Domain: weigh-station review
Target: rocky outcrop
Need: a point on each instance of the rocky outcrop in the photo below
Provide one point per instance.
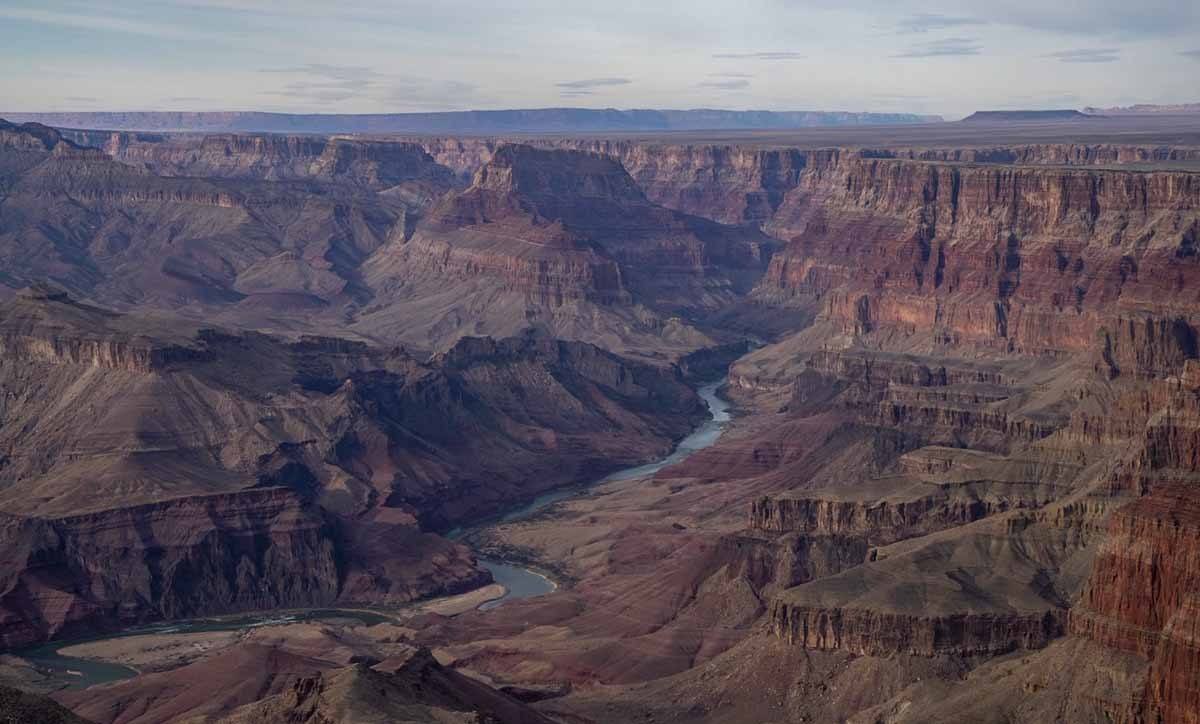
(540, 389)
(20, 706)
(29, 137)
(140, 487)
(463, 156)
(258, 549)
(748, 183)
(780, 562)
(1045, 154)
(870, 633)
(26, 336)
(377, 165)
(281, 681)
(1141, 596)
(1174, 681)
(882, 521)
(125, 236)
(1011, 259)
(729, 184)
(564, 241)
(406, 688)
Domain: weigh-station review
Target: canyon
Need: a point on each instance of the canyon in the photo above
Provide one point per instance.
(247, 372)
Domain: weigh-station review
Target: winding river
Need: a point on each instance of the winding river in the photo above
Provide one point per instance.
(519, 582)
(525, 583)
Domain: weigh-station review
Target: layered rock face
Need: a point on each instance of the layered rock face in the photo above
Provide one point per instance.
(1142, 596)
(464, 156)
(1011, 259)
(869, 634)
(747, 183)
(729, 184)
(1044, 319)
(191, 556)
(1142, 593)
(316, 234)
(376, 165)
(566, 241)
(577, 201)
(1047, 154)
(155, 471)
(881, 520)
(127, 236)
(773, 563)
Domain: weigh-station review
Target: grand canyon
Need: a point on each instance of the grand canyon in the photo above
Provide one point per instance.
(269, 373)
(595, 416)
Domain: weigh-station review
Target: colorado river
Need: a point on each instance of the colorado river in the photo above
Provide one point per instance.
(519, 582)
(524, 583)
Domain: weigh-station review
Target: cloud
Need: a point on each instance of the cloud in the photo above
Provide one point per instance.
(924, 22)
(1195, 54)
(431, 94)
(592, 83)
(731, 84)
(588, 86)
(900, 97)
(107, 22)
(1087, 55)
(323, 83)
(1113, 18)
(944, 48)
(730, 75)
(762, 55)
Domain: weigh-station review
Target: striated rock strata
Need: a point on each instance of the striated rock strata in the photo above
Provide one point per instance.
(155, 470)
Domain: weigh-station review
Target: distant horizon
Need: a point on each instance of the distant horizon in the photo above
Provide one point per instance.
(499, 109)
(1087, 109)
(562, 119)
(404, 56)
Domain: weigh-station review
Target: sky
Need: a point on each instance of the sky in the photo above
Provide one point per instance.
(379, 56)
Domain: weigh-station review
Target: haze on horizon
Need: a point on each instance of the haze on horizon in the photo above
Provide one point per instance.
(372, 56)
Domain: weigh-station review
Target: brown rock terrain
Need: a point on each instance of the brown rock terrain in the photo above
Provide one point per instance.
(960, 485)
(263, 682)
(392, 167)
(979, 259)
(152, 470)
(19, 706)
(125, 236)
(974, 427)
(411, 688)
(563, 241)
(361, 234)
